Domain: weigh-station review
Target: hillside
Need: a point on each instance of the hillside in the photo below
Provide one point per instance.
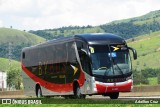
(127, 28)
(15, 40)
(4, 64)
(133, 27)
(146, 69)
(18, 37)
(148, 49)
(66, 31)
(147, 18)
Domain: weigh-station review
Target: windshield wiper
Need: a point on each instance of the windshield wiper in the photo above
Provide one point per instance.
(117, 66)
(106, 73)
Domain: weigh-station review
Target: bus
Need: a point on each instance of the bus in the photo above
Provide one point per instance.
(79, 65)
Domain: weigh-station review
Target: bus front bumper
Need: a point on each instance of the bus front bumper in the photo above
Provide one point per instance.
(114, 87)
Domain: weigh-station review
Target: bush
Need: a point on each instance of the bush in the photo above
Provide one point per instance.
(140, 77)
(14, 78)
(158, 78)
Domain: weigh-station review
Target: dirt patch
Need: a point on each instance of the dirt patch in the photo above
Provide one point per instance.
(18, 92)
(140, 40)
(158, 49)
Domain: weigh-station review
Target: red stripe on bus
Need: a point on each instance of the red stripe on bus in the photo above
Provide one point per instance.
(119, 88)
(52, 86)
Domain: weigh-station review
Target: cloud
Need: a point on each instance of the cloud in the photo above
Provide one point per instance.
(1, 23)
(46, 14)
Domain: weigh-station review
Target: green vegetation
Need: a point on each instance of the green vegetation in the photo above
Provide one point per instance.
(16, 40)
(86, 103)
(153, 81)
(146, 68)
(66, 31)
(148, 49)
(14, 78)
(18, 37)
(144, 18)
(4, 64)
(13, 70)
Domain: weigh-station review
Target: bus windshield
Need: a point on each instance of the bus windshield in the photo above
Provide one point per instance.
(110, 60)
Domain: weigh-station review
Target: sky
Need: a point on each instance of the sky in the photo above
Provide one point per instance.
(49, 14)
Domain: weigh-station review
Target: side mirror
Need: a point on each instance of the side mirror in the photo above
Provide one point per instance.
(134, 52)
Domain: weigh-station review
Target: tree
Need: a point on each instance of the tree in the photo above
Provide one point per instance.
(13, 78)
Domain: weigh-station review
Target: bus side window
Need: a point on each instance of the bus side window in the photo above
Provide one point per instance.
(71, 55)
(23, 55)
(83, 57)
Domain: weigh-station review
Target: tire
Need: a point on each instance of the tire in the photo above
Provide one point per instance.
(39, 92)
(77, 93)
(69, 97)
(114, 95)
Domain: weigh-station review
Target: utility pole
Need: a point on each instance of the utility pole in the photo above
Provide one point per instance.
(10, 52)
(9, 55)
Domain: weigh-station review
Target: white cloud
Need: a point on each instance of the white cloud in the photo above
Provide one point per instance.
(42, 14)
(13, 5)
(1, 23)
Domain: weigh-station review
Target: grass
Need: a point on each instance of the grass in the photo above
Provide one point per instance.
(144, 19)
(18, 37)
(82, 102)
(148, 50)
(148, 21)
(153, 81)
(4, 64)
(85, 105)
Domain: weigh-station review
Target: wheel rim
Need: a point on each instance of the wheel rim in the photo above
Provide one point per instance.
(78, 92)
(39, 93)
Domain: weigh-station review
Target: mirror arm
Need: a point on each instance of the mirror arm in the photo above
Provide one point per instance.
(134, 52)
(83, 50)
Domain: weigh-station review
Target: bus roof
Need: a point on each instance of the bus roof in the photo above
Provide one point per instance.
(101, 38)
(91, 38)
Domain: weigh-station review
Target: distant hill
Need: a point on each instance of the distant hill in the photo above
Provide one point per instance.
(147, 18)
(133, 27)
(15, 40)
(66, 31)
(127, 28)
(18, 37)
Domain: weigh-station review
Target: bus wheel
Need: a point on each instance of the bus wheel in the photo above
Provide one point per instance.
(39, 92)
(69, 97)
(77, 93)
(83, 96)
(114, 95)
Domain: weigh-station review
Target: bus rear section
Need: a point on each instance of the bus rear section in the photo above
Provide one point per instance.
(80, 65)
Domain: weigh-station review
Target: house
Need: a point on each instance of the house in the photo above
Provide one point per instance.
(3, 80)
